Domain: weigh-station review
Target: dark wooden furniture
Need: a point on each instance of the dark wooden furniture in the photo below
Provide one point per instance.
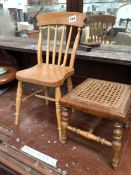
(54, 72)
(109, 62)
(103, 99)
(8, 76)
(115, 54)
(101, 27)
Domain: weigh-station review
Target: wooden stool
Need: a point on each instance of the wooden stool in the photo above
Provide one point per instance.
(103, 99)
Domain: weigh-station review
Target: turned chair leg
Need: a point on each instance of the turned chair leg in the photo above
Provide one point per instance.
(69, 84)
(18, 102)
(65, 120)
(70, 87)
(116, 144)
(47, 95)
(58, 109)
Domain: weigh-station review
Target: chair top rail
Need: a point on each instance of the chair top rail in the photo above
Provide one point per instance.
(61, 18)
(101, 18)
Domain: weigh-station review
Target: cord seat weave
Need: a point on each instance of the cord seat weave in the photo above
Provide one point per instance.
(99, 97)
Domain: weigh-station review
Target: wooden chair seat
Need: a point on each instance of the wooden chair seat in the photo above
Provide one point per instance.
(102, 99)
(45, 74)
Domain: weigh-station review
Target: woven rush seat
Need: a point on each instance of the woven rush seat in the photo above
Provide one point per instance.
(102, 99)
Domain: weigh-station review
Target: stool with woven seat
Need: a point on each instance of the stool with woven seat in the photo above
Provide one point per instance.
(103, 99)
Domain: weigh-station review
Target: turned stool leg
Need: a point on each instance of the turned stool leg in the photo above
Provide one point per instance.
(127, 124)
(47, 95)
(116, 144)
(18, 102)
(65, 119)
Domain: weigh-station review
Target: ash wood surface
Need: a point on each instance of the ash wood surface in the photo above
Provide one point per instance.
(55, 73)
(38, 75)
(61, 18)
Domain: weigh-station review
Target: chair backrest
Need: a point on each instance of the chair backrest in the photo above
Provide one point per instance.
(100, 27)
(56, 20)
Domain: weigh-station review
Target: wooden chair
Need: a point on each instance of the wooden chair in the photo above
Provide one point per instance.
(54, 71)
(104, 100)
(101, 27)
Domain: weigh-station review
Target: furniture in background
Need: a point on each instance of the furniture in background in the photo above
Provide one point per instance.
(85, 34)
(7, 74)
(8, 68)
(55, 71)
(35, 33)
(105, 100)
(122, 38)
(100, 28)
(117, 29)
(13, 14)
(124, 22)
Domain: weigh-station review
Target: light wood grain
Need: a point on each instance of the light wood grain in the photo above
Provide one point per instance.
(60, 18)
(100, 27)
(53, 72)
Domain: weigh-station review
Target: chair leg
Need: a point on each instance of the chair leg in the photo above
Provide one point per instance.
(116, 144)
(70, 87)
(65, 120)
(47, 95)
(69, 84)
(58, 109)
(18, 102)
